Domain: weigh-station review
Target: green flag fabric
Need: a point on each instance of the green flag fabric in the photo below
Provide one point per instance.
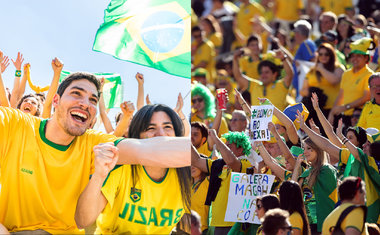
(112, 88)
(153, 33)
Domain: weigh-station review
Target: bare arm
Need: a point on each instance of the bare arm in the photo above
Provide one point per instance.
(287, 67)
(215, 126)
(197, 160)
(140, 92)
(284, 149)
(23, 82)
(297, 168)
(243, 103)
(16, 92)
(102, 110)
(271, 163)
(57, 66)
(338, 100)
(227, 155)
(178, 110)
(354, 151)
(325, 123)
(127, 108)
(241, 80)
(319, 140)
(3, 94)
(91, 202)
(332, 77)
(162, 151)
(289, 125)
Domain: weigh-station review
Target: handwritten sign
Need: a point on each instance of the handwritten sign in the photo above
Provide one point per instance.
(261, 116)
(244, 189)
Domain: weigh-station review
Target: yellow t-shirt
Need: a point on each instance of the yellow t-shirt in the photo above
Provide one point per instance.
(219, 205)
(296, 221)
(336, 6)
(370, 116)
(354, 85)
(288, 9)
(149, 207)
(276, 92)
(354, 219)
(330, 90)
(198, 199)
(206, 53)
(216, 39)
(249, 67)
(204, 149)
(41, 181)
(245, 14)
(209, 121)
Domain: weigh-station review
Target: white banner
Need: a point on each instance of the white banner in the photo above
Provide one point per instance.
(244, 189)
(261, 116)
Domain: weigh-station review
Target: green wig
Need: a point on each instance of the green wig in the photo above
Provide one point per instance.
(240, 139)
(201, 90)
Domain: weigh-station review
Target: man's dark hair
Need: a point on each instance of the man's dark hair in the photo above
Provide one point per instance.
(252, 38)
(78, 76)
(196, 29)
(274, 220)
(373, 76)
(202, 127)
(349, 186)
(374, 150)
(270, 65)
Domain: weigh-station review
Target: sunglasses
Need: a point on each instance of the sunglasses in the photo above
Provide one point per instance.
(323, 54)
(259, 206)
(195, 100)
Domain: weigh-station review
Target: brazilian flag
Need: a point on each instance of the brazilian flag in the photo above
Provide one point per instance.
(154, 33)
(112, 88)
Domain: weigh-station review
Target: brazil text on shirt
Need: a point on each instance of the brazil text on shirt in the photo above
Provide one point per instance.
(148, 216)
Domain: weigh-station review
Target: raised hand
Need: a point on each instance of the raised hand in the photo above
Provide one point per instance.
(106, 156)
(314, 127)
(300, 119)
(18, 62)
(140, 78)
(272, 127)
(339, 129)
(179, 105)
(127, 108)
(212, 134)
(57, 65)
(147, 99)
(264, 101)
(314, 100)
(102, 81)
(4, 62)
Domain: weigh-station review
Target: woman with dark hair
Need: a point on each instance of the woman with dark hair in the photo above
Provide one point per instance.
(140, 199)
(325, 75)
(291, 199)
(30, 104)
(213, 31)
(263, 204)
(345, 30)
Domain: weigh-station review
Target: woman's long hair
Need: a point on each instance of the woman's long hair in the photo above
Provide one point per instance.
(317, 165)
(291, 199)
(140, 123)
(331, 64)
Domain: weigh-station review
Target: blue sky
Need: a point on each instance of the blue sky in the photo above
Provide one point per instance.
(44, 29)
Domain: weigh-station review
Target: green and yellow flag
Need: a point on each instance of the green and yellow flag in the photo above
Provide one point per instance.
(112, 88)
(153, 33)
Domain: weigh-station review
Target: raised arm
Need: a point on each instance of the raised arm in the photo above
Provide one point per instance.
(197, 160)
(57, 66)
(23, 82)
(284, 149)
(270, 162)
(287, 67)
(347, 143)
(3, 94)
(91, 202)
(241, 79)
(243, 103)
(127, 108)
(332, 77)
(319, 140)
(227, 155)
(140, 91)
(325, 123)
(162, 151)
(102, 110)
(178, 110)
(337, 102)
(16, 91)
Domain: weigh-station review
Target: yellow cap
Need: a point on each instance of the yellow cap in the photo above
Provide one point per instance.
(361, 46)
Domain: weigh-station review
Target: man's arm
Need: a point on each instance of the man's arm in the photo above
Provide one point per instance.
(57, 66)
(283, 147)
(92, 201)
(127, 108)
(140, 90)
(270, 162)
(16, 84)
(3, 94)
(162, 151)
(197, 161)
(240, 79)
(289, 73)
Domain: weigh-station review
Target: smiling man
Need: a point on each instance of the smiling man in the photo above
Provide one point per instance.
(370, 116)
(46, 164)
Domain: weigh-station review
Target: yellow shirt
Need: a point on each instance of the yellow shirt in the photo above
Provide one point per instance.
(336, 6)
(370, 116)
(276, 92)
(354, 219)
(296, 221)
(209, 121)
(219, 206)
(249, 67)
(198, 199)
(288, 9)
(245, 14)
(149, 207)
(330, 90)
(204, 149)
(41, 181)
(216, 39)
(354, 85)
(206, 53)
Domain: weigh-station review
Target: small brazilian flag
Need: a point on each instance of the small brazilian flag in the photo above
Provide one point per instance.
(154, 33)
(112, 88)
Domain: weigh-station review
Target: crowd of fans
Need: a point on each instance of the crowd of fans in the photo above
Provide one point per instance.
(320, 57)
